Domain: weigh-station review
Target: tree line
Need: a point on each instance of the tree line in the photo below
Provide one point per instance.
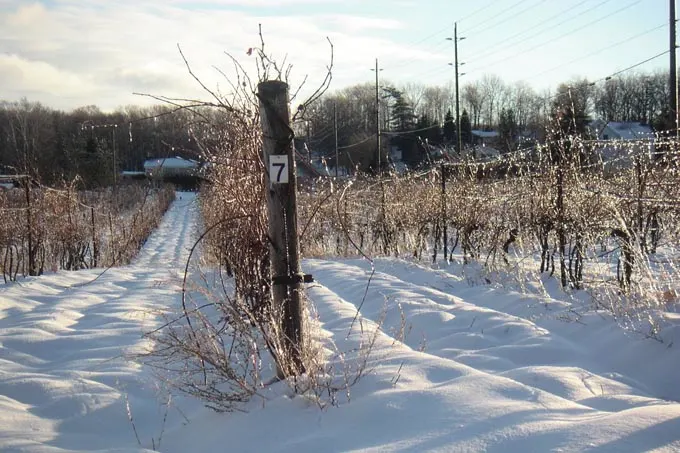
(54, 146)
(413, 116)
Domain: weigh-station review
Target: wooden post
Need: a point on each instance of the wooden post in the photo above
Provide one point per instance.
(335, 129)
(29, 227)
(114, 165)
(446, 236)
(673, 70)
(112, 241)
(281, 188)
(95, 248)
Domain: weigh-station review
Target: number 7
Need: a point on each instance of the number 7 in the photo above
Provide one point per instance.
(281, 166)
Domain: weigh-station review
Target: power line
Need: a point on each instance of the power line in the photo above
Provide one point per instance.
(597, 51)
(433, 72)
(429, 73)
(406, 62)
(634, 66)
(508, 41)
(614, 74)
(544, 43)
(505, 19)
(441, 30)
(441, 44)
(357, 144)
(388, 133)
(411, 131)
(435, 33)
(415, 43)
(495, 16)
(479, 10)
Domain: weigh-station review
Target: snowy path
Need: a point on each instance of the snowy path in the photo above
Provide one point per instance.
(62, 377)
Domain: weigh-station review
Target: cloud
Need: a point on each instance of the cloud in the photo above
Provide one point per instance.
(353, 24)
(21, 74)
(100, 52)
(27, 15)
(252, 3)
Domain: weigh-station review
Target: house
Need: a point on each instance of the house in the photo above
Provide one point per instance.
(184, 173)
(627, 138)
(8, 182)
(166, 167)
(482, 138)
(623, 130)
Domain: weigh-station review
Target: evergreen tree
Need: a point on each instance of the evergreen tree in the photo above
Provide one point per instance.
(465, 128)
(428, 130)
(91, 146)
(95, 163)
(402, 119)
(449, 127)
(422, 126)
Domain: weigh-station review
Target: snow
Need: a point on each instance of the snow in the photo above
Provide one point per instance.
(63, 341)
(455, 367)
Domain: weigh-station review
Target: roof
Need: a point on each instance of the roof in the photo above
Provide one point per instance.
(170, 162)
(631, 130)
(484, 134)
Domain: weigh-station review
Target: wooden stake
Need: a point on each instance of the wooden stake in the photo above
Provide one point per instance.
(29, 227)
(281, 185)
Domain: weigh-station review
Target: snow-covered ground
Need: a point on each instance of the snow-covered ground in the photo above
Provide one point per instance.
(456, 367)
(64, 378)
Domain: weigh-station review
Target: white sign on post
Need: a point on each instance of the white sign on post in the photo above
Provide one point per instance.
(278, 169)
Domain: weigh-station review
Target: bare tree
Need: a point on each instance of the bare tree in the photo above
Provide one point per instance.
(473, 98)
(523, 100)
(435, 103)
(493, 88)
(414, 94)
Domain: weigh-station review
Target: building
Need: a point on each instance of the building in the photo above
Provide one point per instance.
(627, 138)
(185, 173)
(170, 166)
(621, 130)
(483, 138)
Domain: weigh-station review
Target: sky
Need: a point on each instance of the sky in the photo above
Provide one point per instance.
(70, 53)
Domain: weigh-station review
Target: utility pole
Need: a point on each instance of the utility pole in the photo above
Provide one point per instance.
(377, 114)
(335, 128)
(308, 145)
(673, 68)
(459, 139)
(445, 242)
(113, 147)
(455, 39)
(32, 268)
